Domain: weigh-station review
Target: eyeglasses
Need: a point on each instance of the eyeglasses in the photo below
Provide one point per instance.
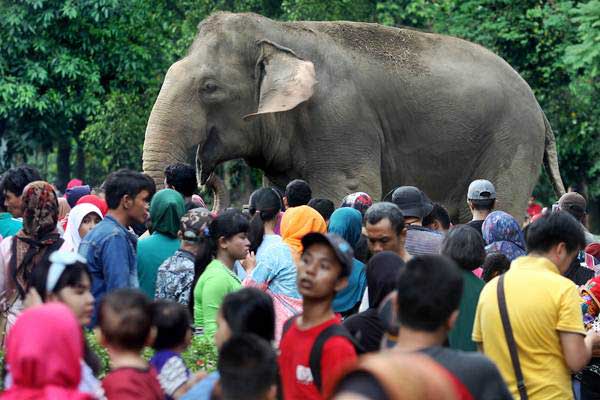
(60, 261)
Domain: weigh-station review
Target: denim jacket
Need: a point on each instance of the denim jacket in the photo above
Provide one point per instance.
(110, 250)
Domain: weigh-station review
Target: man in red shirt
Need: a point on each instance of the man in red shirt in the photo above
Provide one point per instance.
(322, 272)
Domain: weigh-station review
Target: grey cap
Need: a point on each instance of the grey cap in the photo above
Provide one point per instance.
(481, 189)
(412, 201)
(341, 248)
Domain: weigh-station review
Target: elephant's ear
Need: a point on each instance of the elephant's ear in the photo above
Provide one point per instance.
(285, 80)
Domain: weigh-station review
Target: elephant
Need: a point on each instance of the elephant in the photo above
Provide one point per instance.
(349, 107)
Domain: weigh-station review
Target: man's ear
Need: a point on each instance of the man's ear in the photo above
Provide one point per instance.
(271, 393)
(452, 320)
(151, 336)
(341, 284)
(127, 201)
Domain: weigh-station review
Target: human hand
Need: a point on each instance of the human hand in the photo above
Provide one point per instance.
(249, 263)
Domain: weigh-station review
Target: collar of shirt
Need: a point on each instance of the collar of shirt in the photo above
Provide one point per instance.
(534, 262)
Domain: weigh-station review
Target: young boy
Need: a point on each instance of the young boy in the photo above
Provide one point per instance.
(322, 272)
(110, 248)
(173, 335)
(125, 328)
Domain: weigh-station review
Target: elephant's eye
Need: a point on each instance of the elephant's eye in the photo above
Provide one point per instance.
(209, 87)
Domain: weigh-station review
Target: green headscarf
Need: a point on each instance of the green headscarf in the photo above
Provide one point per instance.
(166, 210)
(347, 223)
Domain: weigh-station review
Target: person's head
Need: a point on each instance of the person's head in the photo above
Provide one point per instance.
(67, 280)
(325, 207)
(495, 264)
(248, 310)
(82, 219)
(465, 246)
(481, 196)
(39, 209)
(502, 233)
(182, 178)
(265, 205)
(531, 200)
(247, 368)
(229, 231)
(557, 236)
(173, 325)
(413, 203)
(298, 222)
(382, 274)
(384, 225)
(75, 193)
(359, 200)
(95, 200)
(44, 348)
(324, 266)
(125, 320)
(129, 192)
(575, 204)
(193, 229)
(13, 182)
(166, 209)
(438, 219)
(429, 289)
(297, 193)
(347, 223)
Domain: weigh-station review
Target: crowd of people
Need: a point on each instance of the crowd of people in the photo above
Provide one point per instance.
(303, 300)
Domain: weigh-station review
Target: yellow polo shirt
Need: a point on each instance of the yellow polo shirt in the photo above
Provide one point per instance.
(540, 303)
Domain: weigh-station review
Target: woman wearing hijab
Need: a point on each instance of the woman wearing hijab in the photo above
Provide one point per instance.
(296, 223)
(82, 219)
(367, 326)
(502, 234)
(28, 249)
(166, 210)
(44, 353)
(347, 223)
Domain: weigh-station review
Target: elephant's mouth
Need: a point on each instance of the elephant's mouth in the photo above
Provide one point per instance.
(206, 155)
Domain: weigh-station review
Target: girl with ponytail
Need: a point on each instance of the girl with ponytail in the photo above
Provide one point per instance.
(274, 271)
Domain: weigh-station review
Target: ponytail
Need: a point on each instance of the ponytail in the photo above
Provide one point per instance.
(265, 204)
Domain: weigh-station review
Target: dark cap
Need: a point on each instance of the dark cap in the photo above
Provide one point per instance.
(341, 248)
(573, 201)
(412, 201)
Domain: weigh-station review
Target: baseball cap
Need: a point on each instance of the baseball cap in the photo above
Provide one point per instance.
(481, 189)
(194, 224)
(412, 201)
(573, 201)
(343, 251)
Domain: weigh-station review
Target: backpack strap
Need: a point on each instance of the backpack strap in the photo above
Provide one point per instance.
(316, 353)
(288, 324)
(510, 339)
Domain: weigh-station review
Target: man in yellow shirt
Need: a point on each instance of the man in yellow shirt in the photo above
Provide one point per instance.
(544, 311)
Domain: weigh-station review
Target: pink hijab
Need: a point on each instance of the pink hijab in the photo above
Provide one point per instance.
(44, 352)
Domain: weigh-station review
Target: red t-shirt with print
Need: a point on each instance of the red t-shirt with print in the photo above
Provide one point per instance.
(294, 355)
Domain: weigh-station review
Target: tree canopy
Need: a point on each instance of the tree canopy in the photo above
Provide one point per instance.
(78, 78)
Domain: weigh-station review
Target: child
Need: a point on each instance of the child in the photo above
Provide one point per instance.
(322, 272)
(590, 375)
(125, 322)
(82, 219)
(173, 336)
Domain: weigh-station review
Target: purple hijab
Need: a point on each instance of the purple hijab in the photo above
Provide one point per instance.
(502, 234)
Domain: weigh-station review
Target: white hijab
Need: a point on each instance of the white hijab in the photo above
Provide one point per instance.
(76, 215)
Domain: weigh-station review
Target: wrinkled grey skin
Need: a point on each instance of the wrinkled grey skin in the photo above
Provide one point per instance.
(352, 107)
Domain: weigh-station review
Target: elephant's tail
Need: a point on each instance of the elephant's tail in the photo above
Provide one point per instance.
(551, 159)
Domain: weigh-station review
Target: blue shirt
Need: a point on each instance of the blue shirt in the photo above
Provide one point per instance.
(110, 251)
(203, 389)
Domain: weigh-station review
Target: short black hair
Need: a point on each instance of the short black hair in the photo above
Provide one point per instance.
(553, 228)
(250, 310)
(172, 321)
(325, 207)
(429, 291)
(182, 177)
(483, 204)
(15, 179)
(440, 214)
(465, 246)
(247, 367)
(495, 264)
(125, 319)
(383, 210)
(298, 193)
(126, 182)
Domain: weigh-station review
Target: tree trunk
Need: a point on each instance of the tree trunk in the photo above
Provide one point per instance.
(80, 162)
(63, 164)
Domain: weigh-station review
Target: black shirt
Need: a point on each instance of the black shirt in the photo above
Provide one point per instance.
(477, 225)
(367, 328)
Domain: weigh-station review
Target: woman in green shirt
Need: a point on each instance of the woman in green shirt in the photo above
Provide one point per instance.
(228, 242)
